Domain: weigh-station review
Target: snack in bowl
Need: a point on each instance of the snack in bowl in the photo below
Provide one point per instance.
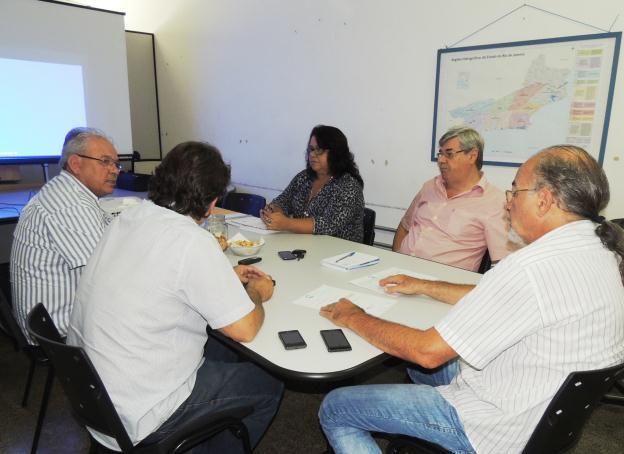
(222, 242)
(245, 247)
(245, 243)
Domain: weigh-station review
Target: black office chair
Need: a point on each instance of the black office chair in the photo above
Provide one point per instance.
(619, 221)
(93, 408)
(37, 358)
(244, 203)
(611, 398)
(369, 226)
(560, 427)
(486, 263)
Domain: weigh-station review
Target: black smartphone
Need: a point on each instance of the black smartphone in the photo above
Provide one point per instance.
(335, 340)
(292, 339)
(286, 255)
(250, 261)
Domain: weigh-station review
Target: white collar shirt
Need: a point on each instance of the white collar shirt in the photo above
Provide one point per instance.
(554, 307)
(153, 283)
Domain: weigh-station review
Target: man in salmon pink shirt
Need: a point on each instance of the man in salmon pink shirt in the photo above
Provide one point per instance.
(457, 216)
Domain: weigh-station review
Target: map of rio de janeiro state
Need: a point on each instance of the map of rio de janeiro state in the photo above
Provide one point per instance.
(542, 86)
(525, 96)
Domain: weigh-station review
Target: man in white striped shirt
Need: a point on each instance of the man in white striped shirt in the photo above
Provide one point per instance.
(59, 227)
(499, 356)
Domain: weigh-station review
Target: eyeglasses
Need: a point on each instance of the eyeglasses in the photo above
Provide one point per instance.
(316, 151)
(509, 195)
(450, 154)
(106, 162)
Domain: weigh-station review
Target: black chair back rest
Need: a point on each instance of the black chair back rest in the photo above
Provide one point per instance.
(560, 426)
(619, 221)
(486, 263)
(10, 323)
(82, 385)
(244, 203)
(369, 226)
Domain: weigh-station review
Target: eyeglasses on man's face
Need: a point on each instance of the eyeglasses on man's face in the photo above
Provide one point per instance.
(315, 151)
(106, 162)
(450, 154)
(511, 194)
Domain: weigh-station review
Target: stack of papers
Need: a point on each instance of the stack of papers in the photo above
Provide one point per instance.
(350, 261)
(249, 223)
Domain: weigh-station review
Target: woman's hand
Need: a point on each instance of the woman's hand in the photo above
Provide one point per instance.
(275, 220)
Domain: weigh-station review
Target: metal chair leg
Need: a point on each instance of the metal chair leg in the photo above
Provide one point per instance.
(42, 409)
(31, 372)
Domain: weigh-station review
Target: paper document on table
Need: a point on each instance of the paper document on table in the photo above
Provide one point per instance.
(252, 224)
(324, 295)
(230, 216)
(371, 281)
(350, 261)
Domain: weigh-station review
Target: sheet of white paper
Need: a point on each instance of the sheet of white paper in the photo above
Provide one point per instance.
(252, 224)
(235, 215)
(325, 294)
(371, 281)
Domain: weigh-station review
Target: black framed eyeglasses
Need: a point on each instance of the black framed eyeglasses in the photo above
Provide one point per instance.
(316, 151)
(450, 154)
(511, 194)
(299, 253)
(106, 162)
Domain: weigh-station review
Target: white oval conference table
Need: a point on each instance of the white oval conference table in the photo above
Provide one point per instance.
(294, 278)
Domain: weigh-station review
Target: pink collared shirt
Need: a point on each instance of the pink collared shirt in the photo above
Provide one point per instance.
(456, 231)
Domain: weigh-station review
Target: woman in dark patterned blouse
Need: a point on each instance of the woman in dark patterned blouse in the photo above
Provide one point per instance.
(326, 198)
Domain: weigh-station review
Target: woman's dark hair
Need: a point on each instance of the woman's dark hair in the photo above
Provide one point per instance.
(581, 187)
(339, 158)
(190, 177)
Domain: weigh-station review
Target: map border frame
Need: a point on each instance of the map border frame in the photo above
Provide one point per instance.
(616, 36)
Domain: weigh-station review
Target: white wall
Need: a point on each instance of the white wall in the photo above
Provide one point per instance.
(253, 77)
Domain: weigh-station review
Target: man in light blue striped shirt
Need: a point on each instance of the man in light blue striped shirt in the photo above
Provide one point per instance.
(60, 226)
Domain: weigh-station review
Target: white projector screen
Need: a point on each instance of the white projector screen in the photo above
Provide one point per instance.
(61, 66)
(44, 97)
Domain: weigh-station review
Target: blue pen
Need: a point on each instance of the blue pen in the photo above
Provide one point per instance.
(344, 257)
(359, 265)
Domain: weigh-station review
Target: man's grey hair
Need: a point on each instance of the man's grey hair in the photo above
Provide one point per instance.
(580, 186)
(76, 142)
(576, 180)
(468, 139)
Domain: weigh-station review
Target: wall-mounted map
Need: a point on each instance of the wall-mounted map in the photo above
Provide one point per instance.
(528, 95)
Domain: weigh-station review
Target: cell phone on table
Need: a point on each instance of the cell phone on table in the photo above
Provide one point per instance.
(292, 339)
(335, 340)
(286, 255)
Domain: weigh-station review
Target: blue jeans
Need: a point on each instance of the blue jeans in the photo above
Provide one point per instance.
(223, 383)
(348, 415)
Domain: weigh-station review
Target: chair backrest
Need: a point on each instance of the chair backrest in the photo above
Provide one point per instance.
(244, 203)
(560, 426)
(619, 221)
(10, 323)
(369, 226)
(486, 263)
(82, 385)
